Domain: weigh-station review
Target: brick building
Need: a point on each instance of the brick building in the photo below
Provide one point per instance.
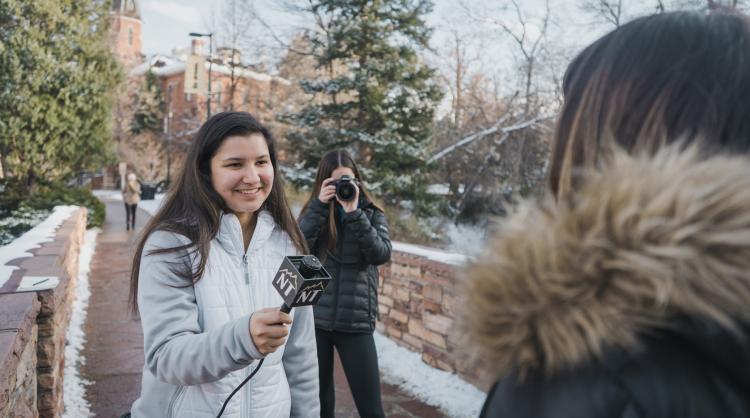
(234, 86)
(126, 31)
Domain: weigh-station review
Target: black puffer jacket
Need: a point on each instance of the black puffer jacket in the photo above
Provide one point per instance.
(350, 302)
(629, 298)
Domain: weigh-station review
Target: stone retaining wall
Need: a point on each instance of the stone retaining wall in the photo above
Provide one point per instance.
(418, 305)
(33, 327)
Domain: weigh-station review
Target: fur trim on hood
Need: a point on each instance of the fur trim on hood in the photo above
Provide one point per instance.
(642, 242)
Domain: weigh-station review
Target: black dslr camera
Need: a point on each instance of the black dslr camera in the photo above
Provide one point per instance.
(345, 188)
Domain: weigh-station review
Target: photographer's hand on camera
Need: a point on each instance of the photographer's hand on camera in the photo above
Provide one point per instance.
(327, 190)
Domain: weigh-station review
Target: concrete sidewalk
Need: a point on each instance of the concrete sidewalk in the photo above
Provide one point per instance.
(114, 347)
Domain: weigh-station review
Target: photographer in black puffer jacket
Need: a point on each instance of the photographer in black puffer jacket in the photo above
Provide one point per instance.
(349, 233)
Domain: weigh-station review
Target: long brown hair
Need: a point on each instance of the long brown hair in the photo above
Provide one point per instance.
(669, 77)
(192, 207)
(328, 163)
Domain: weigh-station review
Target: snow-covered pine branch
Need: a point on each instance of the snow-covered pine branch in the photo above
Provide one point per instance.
(489, 131)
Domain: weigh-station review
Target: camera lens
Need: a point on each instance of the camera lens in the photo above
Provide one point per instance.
(345, 191)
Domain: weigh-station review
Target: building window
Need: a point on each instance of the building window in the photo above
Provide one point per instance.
(130, 36)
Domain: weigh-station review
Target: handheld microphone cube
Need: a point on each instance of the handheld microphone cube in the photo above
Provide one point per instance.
(300, 280)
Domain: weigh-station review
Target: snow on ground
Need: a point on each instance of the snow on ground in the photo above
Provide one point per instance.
(431, 253)
(404, 368)
(465, 239)
(74, 386)
(32, 239)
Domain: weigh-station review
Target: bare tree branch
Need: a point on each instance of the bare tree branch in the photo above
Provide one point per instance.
(286, 45)
(609, 11)
(489, 131)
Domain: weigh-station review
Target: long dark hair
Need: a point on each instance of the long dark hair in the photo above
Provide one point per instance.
(328, 163)
(192, 207)
(681, 76)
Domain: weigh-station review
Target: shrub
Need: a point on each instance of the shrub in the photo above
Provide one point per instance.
(19, 212)
(11, 194)
(15, 222)
(53, 194)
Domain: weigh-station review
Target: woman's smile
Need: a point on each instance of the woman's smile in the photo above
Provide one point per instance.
(251, 191)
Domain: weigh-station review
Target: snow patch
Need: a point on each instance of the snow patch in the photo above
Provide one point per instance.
(74, 386)
(32, 239)
(404, 368)
(465, 239)
(431, 253)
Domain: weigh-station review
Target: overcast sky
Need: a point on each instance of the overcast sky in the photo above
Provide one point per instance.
(166, 23)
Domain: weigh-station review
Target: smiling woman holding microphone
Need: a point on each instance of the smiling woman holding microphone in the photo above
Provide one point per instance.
(349, 233)
(202, 283)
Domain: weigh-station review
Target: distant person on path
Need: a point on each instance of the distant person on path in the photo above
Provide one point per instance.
(349, 233)
(201, 281)
(625, 292)
(131, 195)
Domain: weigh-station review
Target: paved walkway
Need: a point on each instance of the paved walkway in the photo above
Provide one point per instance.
(114, 347)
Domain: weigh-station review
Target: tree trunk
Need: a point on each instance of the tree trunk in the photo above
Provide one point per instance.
(31, 182)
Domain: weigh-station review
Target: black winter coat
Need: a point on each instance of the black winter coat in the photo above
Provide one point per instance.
(350, 301)
(630, 298)
(698, 371)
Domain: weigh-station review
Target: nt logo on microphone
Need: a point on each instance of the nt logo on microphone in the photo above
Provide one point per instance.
(309, 294)
(296, 288)
(286, 282)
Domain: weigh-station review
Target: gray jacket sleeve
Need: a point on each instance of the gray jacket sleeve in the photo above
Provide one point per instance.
(176, 349)
(301, 364)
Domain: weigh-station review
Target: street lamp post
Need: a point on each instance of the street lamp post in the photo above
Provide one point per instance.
(169, 146)
(168, 131)
(210, 37)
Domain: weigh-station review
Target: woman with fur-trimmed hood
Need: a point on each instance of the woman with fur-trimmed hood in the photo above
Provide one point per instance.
(626, 291)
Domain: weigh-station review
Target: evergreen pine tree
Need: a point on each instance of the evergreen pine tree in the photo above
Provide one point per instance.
(149, 107)
(57, 77)
(374, 96)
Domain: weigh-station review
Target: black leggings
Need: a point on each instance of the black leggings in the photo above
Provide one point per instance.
(360, 361)
(130, 214)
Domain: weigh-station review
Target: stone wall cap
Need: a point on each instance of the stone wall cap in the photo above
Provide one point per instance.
(22, 247)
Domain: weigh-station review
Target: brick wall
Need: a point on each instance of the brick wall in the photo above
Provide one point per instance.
(33, 327)
(418, 300)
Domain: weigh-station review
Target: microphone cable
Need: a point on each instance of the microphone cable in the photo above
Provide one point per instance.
(247, 379)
